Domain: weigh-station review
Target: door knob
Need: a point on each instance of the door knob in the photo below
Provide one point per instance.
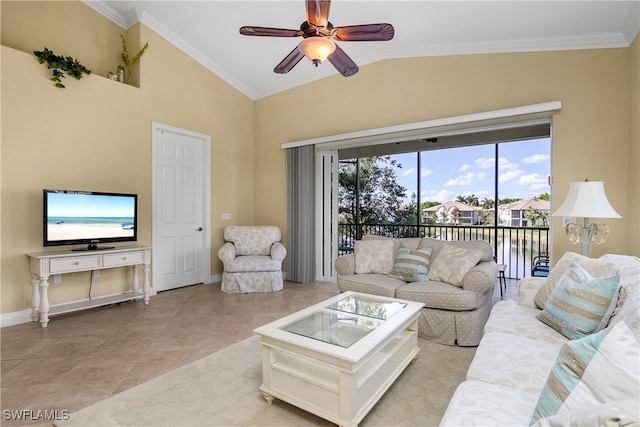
(199, 229)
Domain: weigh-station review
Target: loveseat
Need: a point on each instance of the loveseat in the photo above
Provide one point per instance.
(454, 279)
(526, 371)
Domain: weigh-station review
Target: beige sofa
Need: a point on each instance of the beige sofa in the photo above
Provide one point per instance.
(513, 362)
(456, 304)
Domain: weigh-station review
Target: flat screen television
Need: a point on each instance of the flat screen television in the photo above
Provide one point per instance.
(88, 218)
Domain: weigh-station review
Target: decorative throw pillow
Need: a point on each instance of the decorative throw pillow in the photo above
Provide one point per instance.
(412, 266)
(579, 304)
(595, 267)
(596, 369)
(374, 256)
(452, 263)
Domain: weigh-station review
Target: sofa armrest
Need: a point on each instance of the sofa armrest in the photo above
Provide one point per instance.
(481, 278)
(227, 252)
(527, 290)
(346, 264)
(278, 251)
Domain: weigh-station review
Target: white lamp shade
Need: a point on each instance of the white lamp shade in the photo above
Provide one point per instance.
(587, 200)
(316, 48)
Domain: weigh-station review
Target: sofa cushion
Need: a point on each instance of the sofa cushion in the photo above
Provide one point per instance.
(374, 256)
(596, 369)
(580, 304)
(610, 414)
(450, 264)
(510, 318)
(628, 305)
(375, 284)
(476, 403)
(479, 245)
(513, 361)
(595, 267)
(439, 295)
(412, 266)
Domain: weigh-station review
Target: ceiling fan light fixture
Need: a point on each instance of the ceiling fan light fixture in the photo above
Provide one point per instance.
(316, 49)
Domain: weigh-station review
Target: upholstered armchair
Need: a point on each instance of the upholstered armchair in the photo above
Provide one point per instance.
(252, 258)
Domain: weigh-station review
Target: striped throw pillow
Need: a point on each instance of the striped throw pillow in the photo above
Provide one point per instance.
(600, 368)
(580, 305)
(412, 266)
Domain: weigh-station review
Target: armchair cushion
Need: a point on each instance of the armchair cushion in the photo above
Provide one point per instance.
(252, 240)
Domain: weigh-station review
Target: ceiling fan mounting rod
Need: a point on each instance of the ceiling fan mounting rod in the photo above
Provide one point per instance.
(311, 30)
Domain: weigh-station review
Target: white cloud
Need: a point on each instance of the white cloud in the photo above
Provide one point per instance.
(536, 158)
(466, 179)
(485, 162)
(409, 172)
(510, 176)
(437, 196)
(464, 168)
(534, 181)
(425, 172)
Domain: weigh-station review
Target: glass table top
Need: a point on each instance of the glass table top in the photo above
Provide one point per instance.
(340, 329)
(367, 306)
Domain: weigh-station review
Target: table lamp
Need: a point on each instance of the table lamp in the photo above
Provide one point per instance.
(587, 200)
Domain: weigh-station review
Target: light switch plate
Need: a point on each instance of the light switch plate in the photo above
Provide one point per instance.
(226, 216)
(57, 279)
(568, 220)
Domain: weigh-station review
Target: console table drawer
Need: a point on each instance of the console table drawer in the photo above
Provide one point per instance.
(74, 264)
(127, 258)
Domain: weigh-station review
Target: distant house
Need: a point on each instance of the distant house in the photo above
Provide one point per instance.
(453, 212)
(513, 213)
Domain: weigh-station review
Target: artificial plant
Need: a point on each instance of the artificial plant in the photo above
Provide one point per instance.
(61, 65)
(128, 61)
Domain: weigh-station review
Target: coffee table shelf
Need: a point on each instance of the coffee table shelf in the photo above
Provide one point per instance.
(339, 380)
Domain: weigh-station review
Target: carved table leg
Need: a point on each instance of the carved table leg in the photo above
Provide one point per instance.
(35, 298)
(267, 397)
(44, 301)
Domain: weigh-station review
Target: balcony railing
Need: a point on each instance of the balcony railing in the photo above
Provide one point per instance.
(513, 246)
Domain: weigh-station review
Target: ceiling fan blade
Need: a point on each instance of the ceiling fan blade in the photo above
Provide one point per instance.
(289, 61)
(342, 62)
(269, 32)
(318, 12)
(367, 32)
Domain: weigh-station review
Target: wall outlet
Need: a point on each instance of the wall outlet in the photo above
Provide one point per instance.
(226, 216)
(57, 279)
(96, 274)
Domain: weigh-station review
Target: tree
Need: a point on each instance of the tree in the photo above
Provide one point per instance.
(544, 196)
(381, 197)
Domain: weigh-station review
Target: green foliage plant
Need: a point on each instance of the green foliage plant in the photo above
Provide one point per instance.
(128, 61)
(61, 65)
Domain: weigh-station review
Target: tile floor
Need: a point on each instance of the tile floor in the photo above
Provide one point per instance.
(84, 357)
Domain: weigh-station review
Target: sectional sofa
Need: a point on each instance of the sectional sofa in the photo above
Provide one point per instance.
(525, 371)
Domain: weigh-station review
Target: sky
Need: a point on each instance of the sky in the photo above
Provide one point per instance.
(523, 171)
(89, 205)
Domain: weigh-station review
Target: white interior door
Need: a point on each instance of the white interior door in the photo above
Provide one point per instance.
(181, 173)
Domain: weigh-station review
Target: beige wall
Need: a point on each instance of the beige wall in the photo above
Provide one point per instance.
(96, 135)
(591, 137)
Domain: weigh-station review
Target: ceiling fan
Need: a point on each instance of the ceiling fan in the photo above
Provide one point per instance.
(318, 39)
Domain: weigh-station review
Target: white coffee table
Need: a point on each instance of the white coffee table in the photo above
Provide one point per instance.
(336, 358)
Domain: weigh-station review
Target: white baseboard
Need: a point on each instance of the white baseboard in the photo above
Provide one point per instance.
(15, 318)
(24, 316)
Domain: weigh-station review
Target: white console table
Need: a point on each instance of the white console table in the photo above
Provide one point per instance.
(44, 264)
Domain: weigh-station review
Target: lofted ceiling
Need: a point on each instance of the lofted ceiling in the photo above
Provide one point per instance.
(208, 31)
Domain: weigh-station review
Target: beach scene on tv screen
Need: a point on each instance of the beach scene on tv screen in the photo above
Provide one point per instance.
(89, 216)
